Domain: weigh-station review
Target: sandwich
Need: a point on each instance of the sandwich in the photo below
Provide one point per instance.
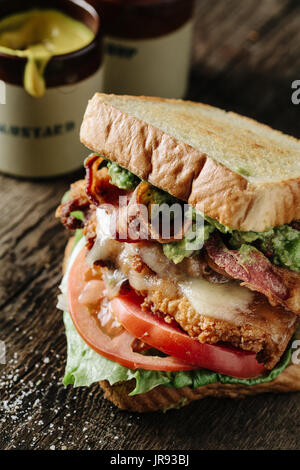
(182, 276)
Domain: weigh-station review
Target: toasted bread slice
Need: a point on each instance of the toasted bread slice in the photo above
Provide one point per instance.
(164, 398)
(235, 170)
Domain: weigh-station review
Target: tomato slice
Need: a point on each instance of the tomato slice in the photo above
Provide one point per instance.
(119, 348)
(171, 340)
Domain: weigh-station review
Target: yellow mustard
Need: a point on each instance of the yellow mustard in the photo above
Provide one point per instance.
(38, 35)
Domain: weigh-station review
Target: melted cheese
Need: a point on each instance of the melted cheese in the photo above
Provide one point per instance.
(104, 245)
(223, 301)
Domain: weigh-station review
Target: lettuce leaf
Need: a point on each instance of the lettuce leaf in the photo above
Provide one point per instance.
(79, 215)
(85, 366)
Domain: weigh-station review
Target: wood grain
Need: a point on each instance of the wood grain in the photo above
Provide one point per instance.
(246, 54)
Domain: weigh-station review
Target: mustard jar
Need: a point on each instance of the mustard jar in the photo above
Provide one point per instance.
(50, 65)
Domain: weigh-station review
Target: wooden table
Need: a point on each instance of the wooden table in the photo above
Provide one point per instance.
(246, 54)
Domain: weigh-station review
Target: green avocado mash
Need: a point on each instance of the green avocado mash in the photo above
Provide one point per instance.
(122, 178)
(282, 243)
(191, 243)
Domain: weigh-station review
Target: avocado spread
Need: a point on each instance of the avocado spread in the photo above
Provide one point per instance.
(120, 177)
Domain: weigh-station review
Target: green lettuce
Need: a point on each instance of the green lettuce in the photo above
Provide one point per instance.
(85, 366)
(66, 197)
(79, 215)
(77, 236)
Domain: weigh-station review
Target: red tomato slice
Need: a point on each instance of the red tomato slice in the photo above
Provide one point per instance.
(171, 340)
(119, 348)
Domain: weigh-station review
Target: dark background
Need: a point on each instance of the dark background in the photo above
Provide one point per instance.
(245, 57)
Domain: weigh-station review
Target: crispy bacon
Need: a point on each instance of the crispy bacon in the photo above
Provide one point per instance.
(91, 166)
(67, 219)
(129, 218)
(141, 198)
(101, 193)
(135, 218)
(78, 201)
(296, 225)
(98, 187)
(254, 269)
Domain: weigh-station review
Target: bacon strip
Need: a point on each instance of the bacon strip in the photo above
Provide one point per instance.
(296, 225)
(132, 224)
(254, 269)
(98, 187)
(91, 166)
(78, 202)
(65, 216)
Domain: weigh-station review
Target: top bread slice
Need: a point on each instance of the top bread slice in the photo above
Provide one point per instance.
(240, 172)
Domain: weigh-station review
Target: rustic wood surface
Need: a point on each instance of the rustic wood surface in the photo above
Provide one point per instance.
(246, 54)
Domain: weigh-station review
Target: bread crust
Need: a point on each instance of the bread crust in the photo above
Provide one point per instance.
(185, 172)
(163, 398)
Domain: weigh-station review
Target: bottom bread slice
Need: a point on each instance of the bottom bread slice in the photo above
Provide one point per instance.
(164, 398)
